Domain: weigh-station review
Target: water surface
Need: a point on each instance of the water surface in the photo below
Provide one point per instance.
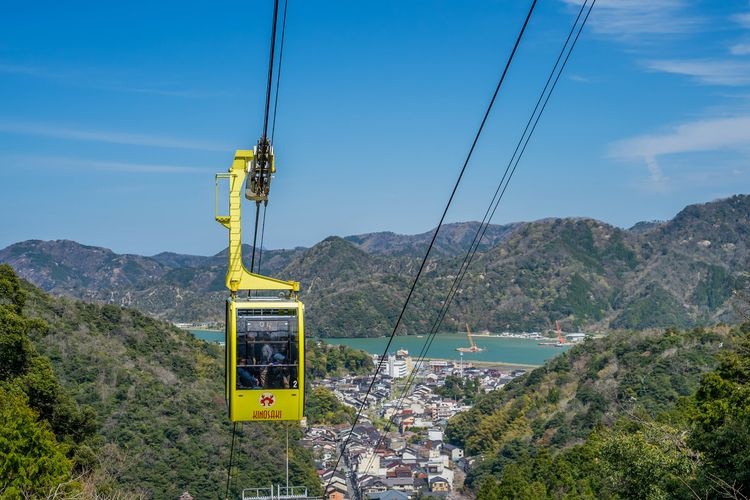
(497, 349)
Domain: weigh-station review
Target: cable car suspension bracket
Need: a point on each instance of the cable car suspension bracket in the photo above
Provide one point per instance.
(256, 166)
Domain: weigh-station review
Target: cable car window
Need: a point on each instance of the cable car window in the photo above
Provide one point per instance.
(267, 349)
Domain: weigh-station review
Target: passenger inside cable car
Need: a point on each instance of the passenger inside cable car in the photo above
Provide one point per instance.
(267, 351)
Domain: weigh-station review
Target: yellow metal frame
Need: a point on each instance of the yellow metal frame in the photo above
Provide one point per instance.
(263, 404)
(238, 277)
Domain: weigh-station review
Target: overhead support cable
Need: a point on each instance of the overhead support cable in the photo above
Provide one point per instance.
(262, 235)
(270, 68)
(269, 86)
(510, 169)
(264, 152)
(231, 456)
(437, 230)
(255, 237)
(278, 72)
(273, 126)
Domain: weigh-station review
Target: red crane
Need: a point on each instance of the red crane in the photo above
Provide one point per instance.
(560, 338)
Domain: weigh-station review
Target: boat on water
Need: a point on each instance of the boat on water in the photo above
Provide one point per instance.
(472, 346)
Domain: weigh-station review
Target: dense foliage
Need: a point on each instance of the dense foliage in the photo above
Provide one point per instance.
(323, 407)
(721, 420)
(323, 360)
(666, 426)
(562, 402)
(463, 390)
(155, 391)
(44, 434)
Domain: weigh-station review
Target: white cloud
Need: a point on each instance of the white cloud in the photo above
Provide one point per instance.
(67, 132)
(579, 78)
(742, 19)
(90, 80)
(658, 180)
(701, 135)
(740, 49)
(20, 69)
(707, 71)
(628, 19)
(137, 168)
(637, 21)
(155, 91)
(718, 134)
(53, 163)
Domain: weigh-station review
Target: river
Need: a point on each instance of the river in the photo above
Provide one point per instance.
(497, 349)
(212, 336)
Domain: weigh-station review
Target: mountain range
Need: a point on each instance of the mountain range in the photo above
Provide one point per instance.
(585, 273)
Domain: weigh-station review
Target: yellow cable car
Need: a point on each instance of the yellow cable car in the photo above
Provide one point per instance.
(265, 359)
(265, 336)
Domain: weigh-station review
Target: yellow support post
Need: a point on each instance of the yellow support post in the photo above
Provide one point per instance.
(238, 277)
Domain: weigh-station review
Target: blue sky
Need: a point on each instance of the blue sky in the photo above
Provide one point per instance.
(115, 116)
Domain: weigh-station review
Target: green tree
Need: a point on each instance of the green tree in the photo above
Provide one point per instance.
(323, 360)
(323, 407)
(721, 421)
(21, 366)
(517, 483)
(489, 489)
(648, 460)
(460, 389)
(32, 462)
(11, 293)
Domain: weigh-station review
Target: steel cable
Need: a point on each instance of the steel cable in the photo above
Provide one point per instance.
(437, 230)
(492, 207)
(270, 68)
(231, 456)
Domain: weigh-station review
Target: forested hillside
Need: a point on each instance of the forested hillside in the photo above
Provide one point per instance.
(45, 437)
(153, 397)
(646, 415)
(585, 273)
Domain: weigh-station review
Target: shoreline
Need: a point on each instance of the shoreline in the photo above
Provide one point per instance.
(488, 364)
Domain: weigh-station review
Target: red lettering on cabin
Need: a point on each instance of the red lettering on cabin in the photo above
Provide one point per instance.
(267, 414)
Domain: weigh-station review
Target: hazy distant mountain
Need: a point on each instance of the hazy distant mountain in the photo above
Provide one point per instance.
(454, 239)
(64, 266)
(171, 259)
(645, 226)
(583, 272)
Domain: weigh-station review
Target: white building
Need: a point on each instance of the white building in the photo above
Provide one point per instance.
(436, 469)
(369, 463)
(575, 337)
(397, 367)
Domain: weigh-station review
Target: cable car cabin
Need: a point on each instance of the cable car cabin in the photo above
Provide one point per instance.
(265, 362)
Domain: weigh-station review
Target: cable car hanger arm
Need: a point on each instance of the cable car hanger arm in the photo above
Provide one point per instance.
(238, 277)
